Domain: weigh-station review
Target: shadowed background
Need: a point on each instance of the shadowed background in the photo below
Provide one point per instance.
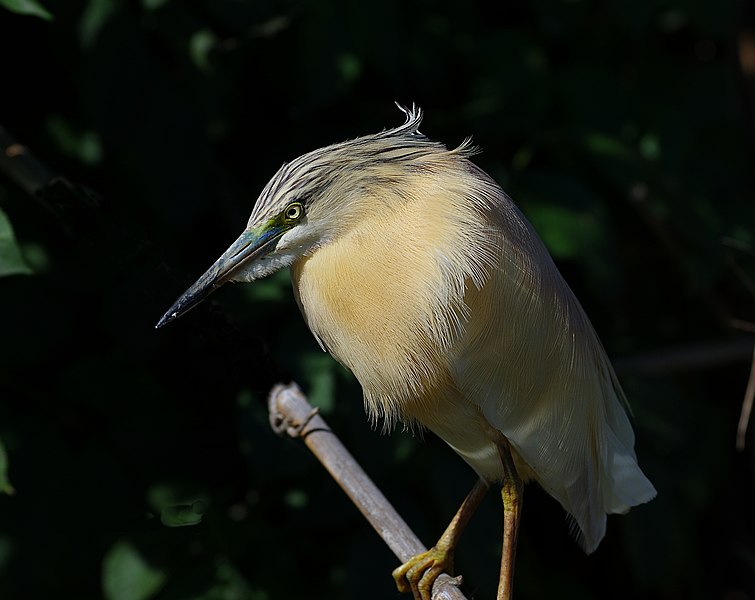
(142, 462)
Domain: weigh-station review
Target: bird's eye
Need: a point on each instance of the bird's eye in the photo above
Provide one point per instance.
(293, 212)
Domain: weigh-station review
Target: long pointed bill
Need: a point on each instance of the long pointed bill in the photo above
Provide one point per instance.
(252, 244)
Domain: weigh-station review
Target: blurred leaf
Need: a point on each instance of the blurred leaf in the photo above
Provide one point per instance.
(6, 552)
(93, 19)
(5, 486)
(564, 212)
(27, 7)
(275, 288)
(11, 261)
(567, 233)
(296, 498)
(350, 66)
(605, 145)
(177, 507)
(231, 585)
(36, 256)
(405, 446)
(320, 372)
(522, 157)
(200, 46)
(650, 146)
(672, 20)
(154, 4)
(127, 576)
(181, 515)
(84, 146)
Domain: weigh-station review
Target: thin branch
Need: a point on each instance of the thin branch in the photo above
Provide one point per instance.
(70, 202)
(735, 244)
(742, 325)
(743, 277)
(744, 417)
(291, 413)
(22, 166)
(688, 357)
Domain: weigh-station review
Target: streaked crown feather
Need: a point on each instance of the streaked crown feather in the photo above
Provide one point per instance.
(302, 178)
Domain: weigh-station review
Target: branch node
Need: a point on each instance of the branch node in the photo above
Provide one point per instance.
(282, 420)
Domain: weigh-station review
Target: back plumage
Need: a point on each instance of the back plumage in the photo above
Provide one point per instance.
(547, 384)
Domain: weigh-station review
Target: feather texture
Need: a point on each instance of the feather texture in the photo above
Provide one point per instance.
(438, 295)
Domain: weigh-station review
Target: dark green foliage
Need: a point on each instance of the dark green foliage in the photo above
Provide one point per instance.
(142, 462)
(11, 261)
(26, 7)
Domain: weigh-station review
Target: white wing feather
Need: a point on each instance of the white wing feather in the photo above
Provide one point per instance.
(548, 385)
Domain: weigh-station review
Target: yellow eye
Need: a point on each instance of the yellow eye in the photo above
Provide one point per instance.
(293, 212)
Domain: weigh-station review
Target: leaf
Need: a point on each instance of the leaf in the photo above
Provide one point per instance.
(177, 507)
(5, 486)
(319, 369)
(201, 44)
(94, 18)
(231, 585)
(11, 261)
(153, 4)
(7, 550)
(568, 233)
(181, 515)
(27, 7)
(85, 146)
(127, 576)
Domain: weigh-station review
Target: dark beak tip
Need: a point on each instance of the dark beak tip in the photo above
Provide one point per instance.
(183, 305)
(173, 313)
(165, 319)
(220, 272)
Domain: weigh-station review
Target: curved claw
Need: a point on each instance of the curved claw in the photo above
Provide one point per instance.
(419, 573)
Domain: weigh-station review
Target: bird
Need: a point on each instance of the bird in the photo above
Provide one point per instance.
(414, 270)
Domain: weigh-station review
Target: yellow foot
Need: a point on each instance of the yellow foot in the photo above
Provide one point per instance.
(420, 572)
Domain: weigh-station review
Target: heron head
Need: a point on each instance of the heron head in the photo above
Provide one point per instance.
(316, 197)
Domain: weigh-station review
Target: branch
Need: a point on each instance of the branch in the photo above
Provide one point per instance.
(701, 356)
(21, 166)
(291, 413)
(744, 417)
(688, 357)
(70, 202)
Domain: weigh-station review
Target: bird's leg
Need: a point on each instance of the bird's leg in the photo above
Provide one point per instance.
(512, 494)
(420, 572)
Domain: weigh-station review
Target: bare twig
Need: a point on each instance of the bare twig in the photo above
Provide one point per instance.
(735, 244)
(743, 277)
(22, 166)
(700, 356)
(291, 413)
(742, 325)
(688, 357)
(73, 204)
(744, 417)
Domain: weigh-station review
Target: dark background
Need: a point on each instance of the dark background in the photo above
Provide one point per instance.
(625, 132)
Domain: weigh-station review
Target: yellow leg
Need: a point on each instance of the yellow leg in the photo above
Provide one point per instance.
(420, 572)
(512, 495)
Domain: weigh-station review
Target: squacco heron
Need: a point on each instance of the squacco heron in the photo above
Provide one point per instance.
(416, 271)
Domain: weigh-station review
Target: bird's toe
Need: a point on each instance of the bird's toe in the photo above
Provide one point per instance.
(418, 574)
